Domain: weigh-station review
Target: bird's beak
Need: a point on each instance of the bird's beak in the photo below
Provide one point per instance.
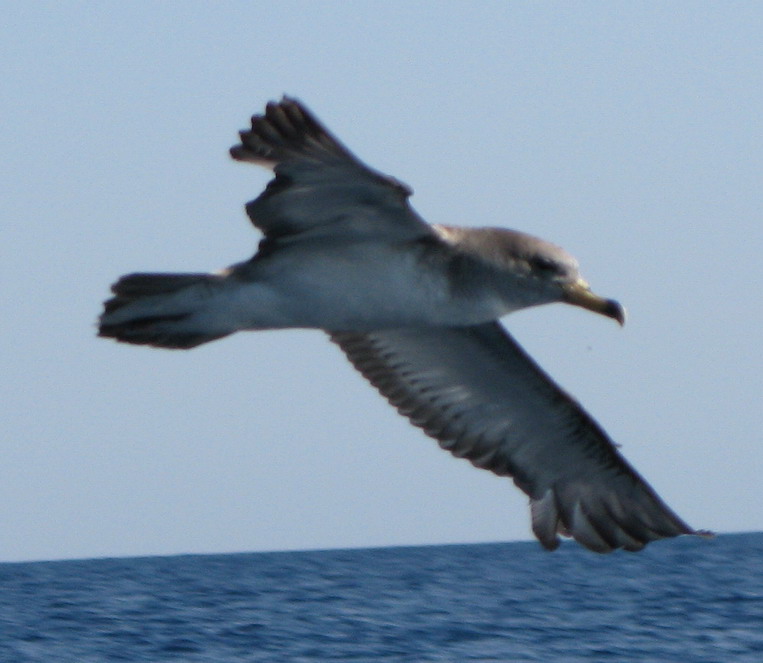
(579, 293)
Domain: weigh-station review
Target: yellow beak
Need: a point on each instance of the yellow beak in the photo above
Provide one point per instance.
(579, 294)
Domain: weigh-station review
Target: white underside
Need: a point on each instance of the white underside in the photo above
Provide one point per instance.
(356, 287)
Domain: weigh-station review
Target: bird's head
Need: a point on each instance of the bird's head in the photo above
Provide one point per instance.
(546, 272)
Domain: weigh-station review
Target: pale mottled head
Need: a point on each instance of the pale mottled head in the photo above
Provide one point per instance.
(545, 269)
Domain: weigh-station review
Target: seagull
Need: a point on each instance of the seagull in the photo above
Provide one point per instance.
(415, 308)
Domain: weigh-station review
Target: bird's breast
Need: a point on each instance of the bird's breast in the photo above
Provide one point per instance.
(366, 286)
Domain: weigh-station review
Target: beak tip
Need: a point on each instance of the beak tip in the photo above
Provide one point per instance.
(616, 311)
(579, 294)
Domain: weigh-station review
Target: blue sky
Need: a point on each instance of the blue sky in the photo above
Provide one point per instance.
(629, 133)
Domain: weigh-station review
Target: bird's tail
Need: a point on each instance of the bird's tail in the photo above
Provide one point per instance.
(163, 310)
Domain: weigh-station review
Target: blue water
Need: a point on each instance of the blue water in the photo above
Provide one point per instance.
(686, 600)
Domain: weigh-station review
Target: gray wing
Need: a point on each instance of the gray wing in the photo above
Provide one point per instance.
(483, 398)
(319, 188)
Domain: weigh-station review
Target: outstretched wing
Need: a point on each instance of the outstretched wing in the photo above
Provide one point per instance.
(483, 398)
(320, 188)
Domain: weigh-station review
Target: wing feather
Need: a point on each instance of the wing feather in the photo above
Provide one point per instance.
(320, 187)
(484, 399)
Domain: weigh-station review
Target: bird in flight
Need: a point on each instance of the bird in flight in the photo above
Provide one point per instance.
(416, 308)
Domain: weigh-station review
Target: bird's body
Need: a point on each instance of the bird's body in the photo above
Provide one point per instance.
(414, 306)
(348, 285)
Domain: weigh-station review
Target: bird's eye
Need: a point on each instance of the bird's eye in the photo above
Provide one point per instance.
(544, 265)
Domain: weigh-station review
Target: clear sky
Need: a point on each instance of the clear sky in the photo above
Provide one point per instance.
(629, 133)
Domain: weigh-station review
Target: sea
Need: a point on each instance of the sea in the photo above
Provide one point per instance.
(690, 600)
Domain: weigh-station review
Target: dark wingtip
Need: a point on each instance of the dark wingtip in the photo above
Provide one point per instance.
(703, 533)
(285, 131)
